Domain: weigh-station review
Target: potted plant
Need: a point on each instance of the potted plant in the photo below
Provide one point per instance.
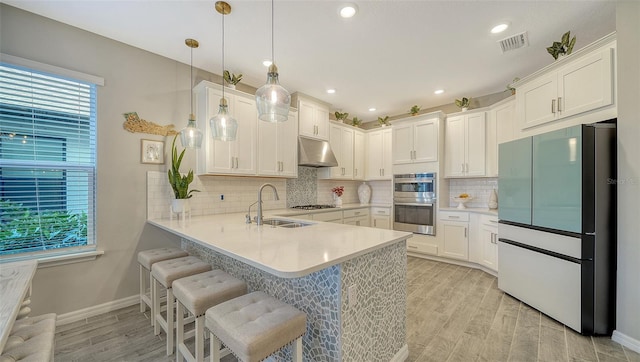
(356, 122)
(510, 85)
(463, 103)
(562, 47)
(414, 110)
(232, 79)
(337, 195)
(383, 121)
(341, 117)
(179, 183)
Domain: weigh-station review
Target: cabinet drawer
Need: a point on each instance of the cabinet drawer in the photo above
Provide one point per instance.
(454, 216)
(328, 216)
(489, 220)
(418, 247)
(355, 212)
(381, 211)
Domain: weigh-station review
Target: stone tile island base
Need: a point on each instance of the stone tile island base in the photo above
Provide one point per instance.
(370, 328)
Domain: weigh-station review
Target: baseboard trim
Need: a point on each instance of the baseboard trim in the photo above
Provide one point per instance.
(468, 264)
(401, 355)
(623, 339)
(97, 310)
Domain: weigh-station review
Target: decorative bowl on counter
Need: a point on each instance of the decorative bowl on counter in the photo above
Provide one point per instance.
(462, 200)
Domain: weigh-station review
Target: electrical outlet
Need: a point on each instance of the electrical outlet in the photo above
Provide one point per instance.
(221, 197)
(353, 295)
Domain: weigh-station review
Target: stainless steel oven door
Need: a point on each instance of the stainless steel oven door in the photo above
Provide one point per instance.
(414, 217)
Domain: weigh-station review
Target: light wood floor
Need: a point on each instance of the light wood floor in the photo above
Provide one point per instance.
(453, 314)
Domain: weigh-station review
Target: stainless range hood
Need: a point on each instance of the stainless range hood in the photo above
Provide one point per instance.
(315, 153)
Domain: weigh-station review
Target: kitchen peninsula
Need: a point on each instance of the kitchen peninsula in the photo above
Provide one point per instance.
(349, 280)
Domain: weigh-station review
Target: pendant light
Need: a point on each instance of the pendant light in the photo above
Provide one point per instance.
(223, 126)
(272, 100)
(191, 135)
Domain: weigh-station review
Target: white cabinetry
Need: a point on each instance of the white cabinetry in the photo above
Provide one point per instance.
(314, 118)
(341, 139)
(356, 217)
(488, 240)
(423, 244)
(381, 217)
(331, 216)
(454, 227)
(359, 151)
(581, 82)
(464, 145)
(277, 142)
(379, 151)
(500, 129)
(218, 157)
(416, 141)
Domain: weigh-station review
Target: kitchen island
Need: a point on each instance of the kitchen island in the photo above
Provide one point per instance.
(349, 280)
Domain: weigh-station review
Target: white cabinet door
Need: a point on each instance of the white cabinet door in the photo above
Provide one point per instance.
(425, 141)
(500, 129)
(475, 146)
(277, 145)
(454, 146)
(244, 148)
(489, 243)
(314, 119)
(402, 144)
(322, 122)
(586, 84)
(268, 158)
(536, 101)
(379, 155)
(358, 155)
(387, 150)
(455, 240)
(342, 144)
(381, 222)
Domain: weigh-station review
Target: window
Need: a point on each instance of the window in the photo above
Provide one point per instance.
(47, 162)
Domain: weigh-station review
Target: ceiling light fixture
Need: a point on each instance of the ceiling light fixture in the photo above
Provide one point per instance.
(372, 109)
(348, 10)
(499, 28)
(439, 91)
(272, 100)
(191, 135)
(331, 91)
(266, 62)
(223, 126)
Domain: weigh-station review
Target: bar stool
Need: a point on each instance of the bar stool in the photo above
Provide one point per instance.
(165, 272)
(146, 259)
(31, 339)
(196, 294)
(254, 326)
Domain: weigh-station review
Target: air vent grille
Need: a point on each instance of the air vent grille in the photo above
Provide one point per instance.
(514, 42)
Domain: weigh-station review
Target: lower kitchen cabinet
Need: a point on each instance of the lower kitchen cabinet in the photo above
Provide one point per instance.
(381, 217)
(454, 227)
(356, 217)
(332, 216)
(423, 244)
(488, 239)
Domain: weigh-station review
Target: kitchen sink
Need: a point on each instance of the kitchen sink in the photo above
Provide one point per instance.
(284, 223)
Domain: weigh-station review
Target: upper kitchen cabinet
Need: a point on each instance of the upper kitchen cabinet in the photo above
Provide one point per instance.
(277, 142)
(359, 159)
(500, 129)
(313, 117)
(342, 142)
(218, 157)
(415, 139)
(379, 149)
(581, 82)
(464, 145)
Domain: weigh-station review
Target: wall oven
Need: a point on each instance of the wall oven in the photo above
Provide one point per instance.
(414, 198)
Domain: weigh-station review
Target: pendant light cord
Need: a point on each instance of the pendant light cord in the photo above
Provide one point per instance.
(191, 90)
(223, 14)
(273, 59)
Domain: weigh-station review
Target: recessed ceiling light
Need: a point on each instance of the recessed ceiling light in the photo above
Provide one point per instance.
(331, 91)
(372, 109)
(499, 28)
(439, 91)
(266, 62)
(348, 10)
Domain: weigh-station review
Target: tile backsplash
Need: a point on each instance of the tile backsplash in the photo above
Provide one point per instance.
(479, 188)
(304, 189)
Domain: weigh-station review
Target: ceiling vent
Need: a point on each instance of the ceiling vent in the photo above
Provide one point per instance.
(514, 42)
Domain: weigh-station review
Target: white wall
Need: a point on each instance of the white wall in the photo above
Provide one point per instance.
(628, 288)
(155, 87)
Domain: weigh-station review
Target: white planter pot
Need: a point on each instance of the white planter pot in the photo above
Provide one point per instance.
(364, 193)
(180, 206)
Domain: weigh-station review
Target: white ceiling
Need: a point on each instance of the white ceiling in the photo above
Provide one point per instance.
(391, 55)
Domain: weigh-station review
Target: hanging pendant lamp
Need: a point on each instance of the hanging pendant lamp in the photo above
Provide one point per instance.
(272, 100)
(191, 135)
(223, 126)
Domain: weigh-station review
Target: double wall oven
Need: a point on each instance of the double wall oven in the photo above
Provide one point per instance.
(414, 200)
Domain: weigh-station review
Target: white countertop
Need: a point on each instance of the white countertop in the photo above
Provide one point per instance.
(478, 210)
(292, 212)
(286, 253)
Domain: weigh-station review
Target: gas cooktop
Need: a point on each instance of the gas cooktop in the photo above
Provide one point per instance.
(313, 207)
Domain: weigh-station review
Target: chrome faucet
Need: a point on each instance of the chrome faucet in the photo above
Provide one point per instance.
(259, 216)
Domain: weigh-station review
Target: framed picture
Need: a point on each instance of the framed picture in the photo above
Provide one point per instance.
(151, 151)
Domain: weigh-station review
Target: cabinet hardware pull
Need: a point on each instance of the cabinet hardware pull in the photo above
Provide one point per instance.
(465, 232)
(553, 106)
(454, 217)
(467, 167)
(462, 167)
(493, 221)
(559, 106)
(412, 247)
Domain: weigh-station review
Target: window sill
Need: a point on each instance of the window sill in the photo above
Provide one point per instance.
(57, 260)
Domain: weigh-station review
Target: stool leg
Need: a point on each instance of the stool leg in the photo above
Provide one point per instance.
(153, 296)
(297, 350)
(214, 346)
(170, 324)
(179, 330)
(143, 289)
(156, 307)
(200, 338)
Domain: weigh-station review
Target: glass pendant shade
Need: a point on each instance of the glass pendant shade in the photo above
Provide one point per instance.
(272, 100)
(191, 135)
(223, 126)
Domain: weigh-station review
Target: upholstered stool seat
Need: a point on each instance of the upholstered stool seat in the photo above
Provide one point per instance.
(197, 293)
(254, 326)
(165, 273)
(146, 259)
(31, 339)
